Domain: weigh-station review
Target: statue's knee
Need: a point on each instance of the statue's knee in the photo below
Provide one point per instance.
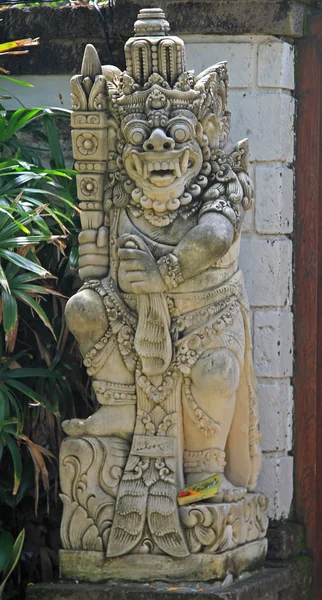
(216, 370)
(85, 315)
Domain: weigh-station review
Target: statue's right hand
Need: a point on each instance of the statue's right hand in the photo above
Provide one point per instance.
(93, 253)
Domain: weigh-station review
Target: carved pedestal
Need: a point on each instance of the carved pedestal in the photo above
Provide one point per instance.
(222, 538)
(94, 566)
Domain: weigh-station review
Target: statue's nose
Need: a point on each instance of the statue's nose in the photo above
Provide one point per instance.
(159, 141)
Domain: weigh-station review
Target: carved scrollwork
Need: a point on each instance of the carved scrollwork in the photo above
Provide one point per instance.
(90, 471)
(216, 528)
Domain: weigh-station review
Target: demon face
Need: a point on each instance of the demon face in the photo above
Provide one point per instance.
(162, 154)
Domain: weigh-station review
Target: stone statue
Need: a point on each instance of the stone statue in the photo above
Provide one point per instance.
(162, 317)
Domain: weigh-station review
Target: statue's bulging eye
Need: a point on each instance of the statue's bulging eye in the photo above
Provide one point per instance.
(137, 134)
(180, 132)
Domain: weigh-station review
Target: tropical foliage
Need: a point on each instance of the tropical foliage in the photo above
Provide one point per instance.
(40, 371)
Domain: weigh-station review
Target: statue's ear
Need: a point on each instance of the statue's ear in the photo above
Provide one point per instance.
(211, 129)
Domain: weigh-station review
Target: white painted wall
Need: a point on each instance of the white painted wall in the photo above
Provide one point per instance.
(261, 82)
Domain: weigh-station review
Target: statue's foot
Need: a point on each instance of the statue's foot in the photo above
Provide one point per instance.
(96, 424)
(74, 427)
(107, 421)
(227, 492)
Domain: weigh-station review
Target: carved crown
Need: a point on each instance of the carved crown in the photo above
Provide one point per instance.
(152, 50)
(155, 76)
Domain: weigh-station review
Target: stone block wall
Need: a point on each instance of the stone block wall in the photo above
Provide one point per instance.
(261, 72)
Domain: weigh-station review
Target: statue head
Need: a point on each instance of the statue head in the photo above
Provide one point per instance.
(167, 126)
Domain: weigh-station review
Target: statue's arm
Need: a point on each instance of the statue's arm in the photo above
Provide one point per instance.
(204, 244)
(200, 248)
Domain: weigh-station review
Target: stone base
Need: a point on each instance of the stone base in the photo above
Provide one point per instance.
(94, 566)
(267, 584)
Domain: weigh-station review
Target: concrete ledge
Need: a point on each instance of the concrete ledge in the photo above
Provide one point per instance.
(264, 585)
(64, 31)
(94, 566)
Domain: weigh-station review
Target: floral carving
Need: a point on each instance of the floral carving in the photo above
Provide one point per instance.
(87, 143)
(89, 186)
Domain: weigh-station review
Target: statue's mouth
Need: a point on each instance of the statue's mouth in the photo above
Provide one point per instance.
(160, 168)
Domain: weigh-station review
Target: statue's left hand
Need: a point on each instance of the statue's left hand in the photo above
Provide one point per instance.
(138, 268)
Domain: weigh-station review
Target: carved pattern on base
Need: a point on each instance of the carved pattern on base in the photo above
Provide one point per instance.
(220, 527)
(90, 473)
(91, 470)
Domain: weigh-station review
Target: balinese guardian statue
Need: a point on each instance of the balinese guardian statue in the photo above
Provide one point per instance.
(162, 323)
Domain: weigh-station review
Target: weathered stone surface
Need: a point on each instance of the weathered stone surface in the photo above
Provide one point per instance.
(288, 581)
(276, 478)
(301, 588)
(268, 274)
(275, 62)
(274, 206)
(285, 540)
(62, 30)
(94, 566)
(276, 411)
(268, 120)
(273, 343)
(267, 584)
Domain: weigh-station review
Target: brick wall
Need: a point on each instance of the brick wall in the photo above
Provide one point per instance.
(261, 72)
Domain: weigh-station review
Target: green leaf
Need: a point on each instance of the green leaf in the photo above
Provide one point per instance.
(6, 546)
(23, 262)
(3, 280)
(17, 408)
(33, 304)
(17, 463)
(31, 394)
(24, 83)
(21, 121)
(19, 118)
(54, 142)
(14, 558)
(32, 372)
(10, 311)
(4, 403)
